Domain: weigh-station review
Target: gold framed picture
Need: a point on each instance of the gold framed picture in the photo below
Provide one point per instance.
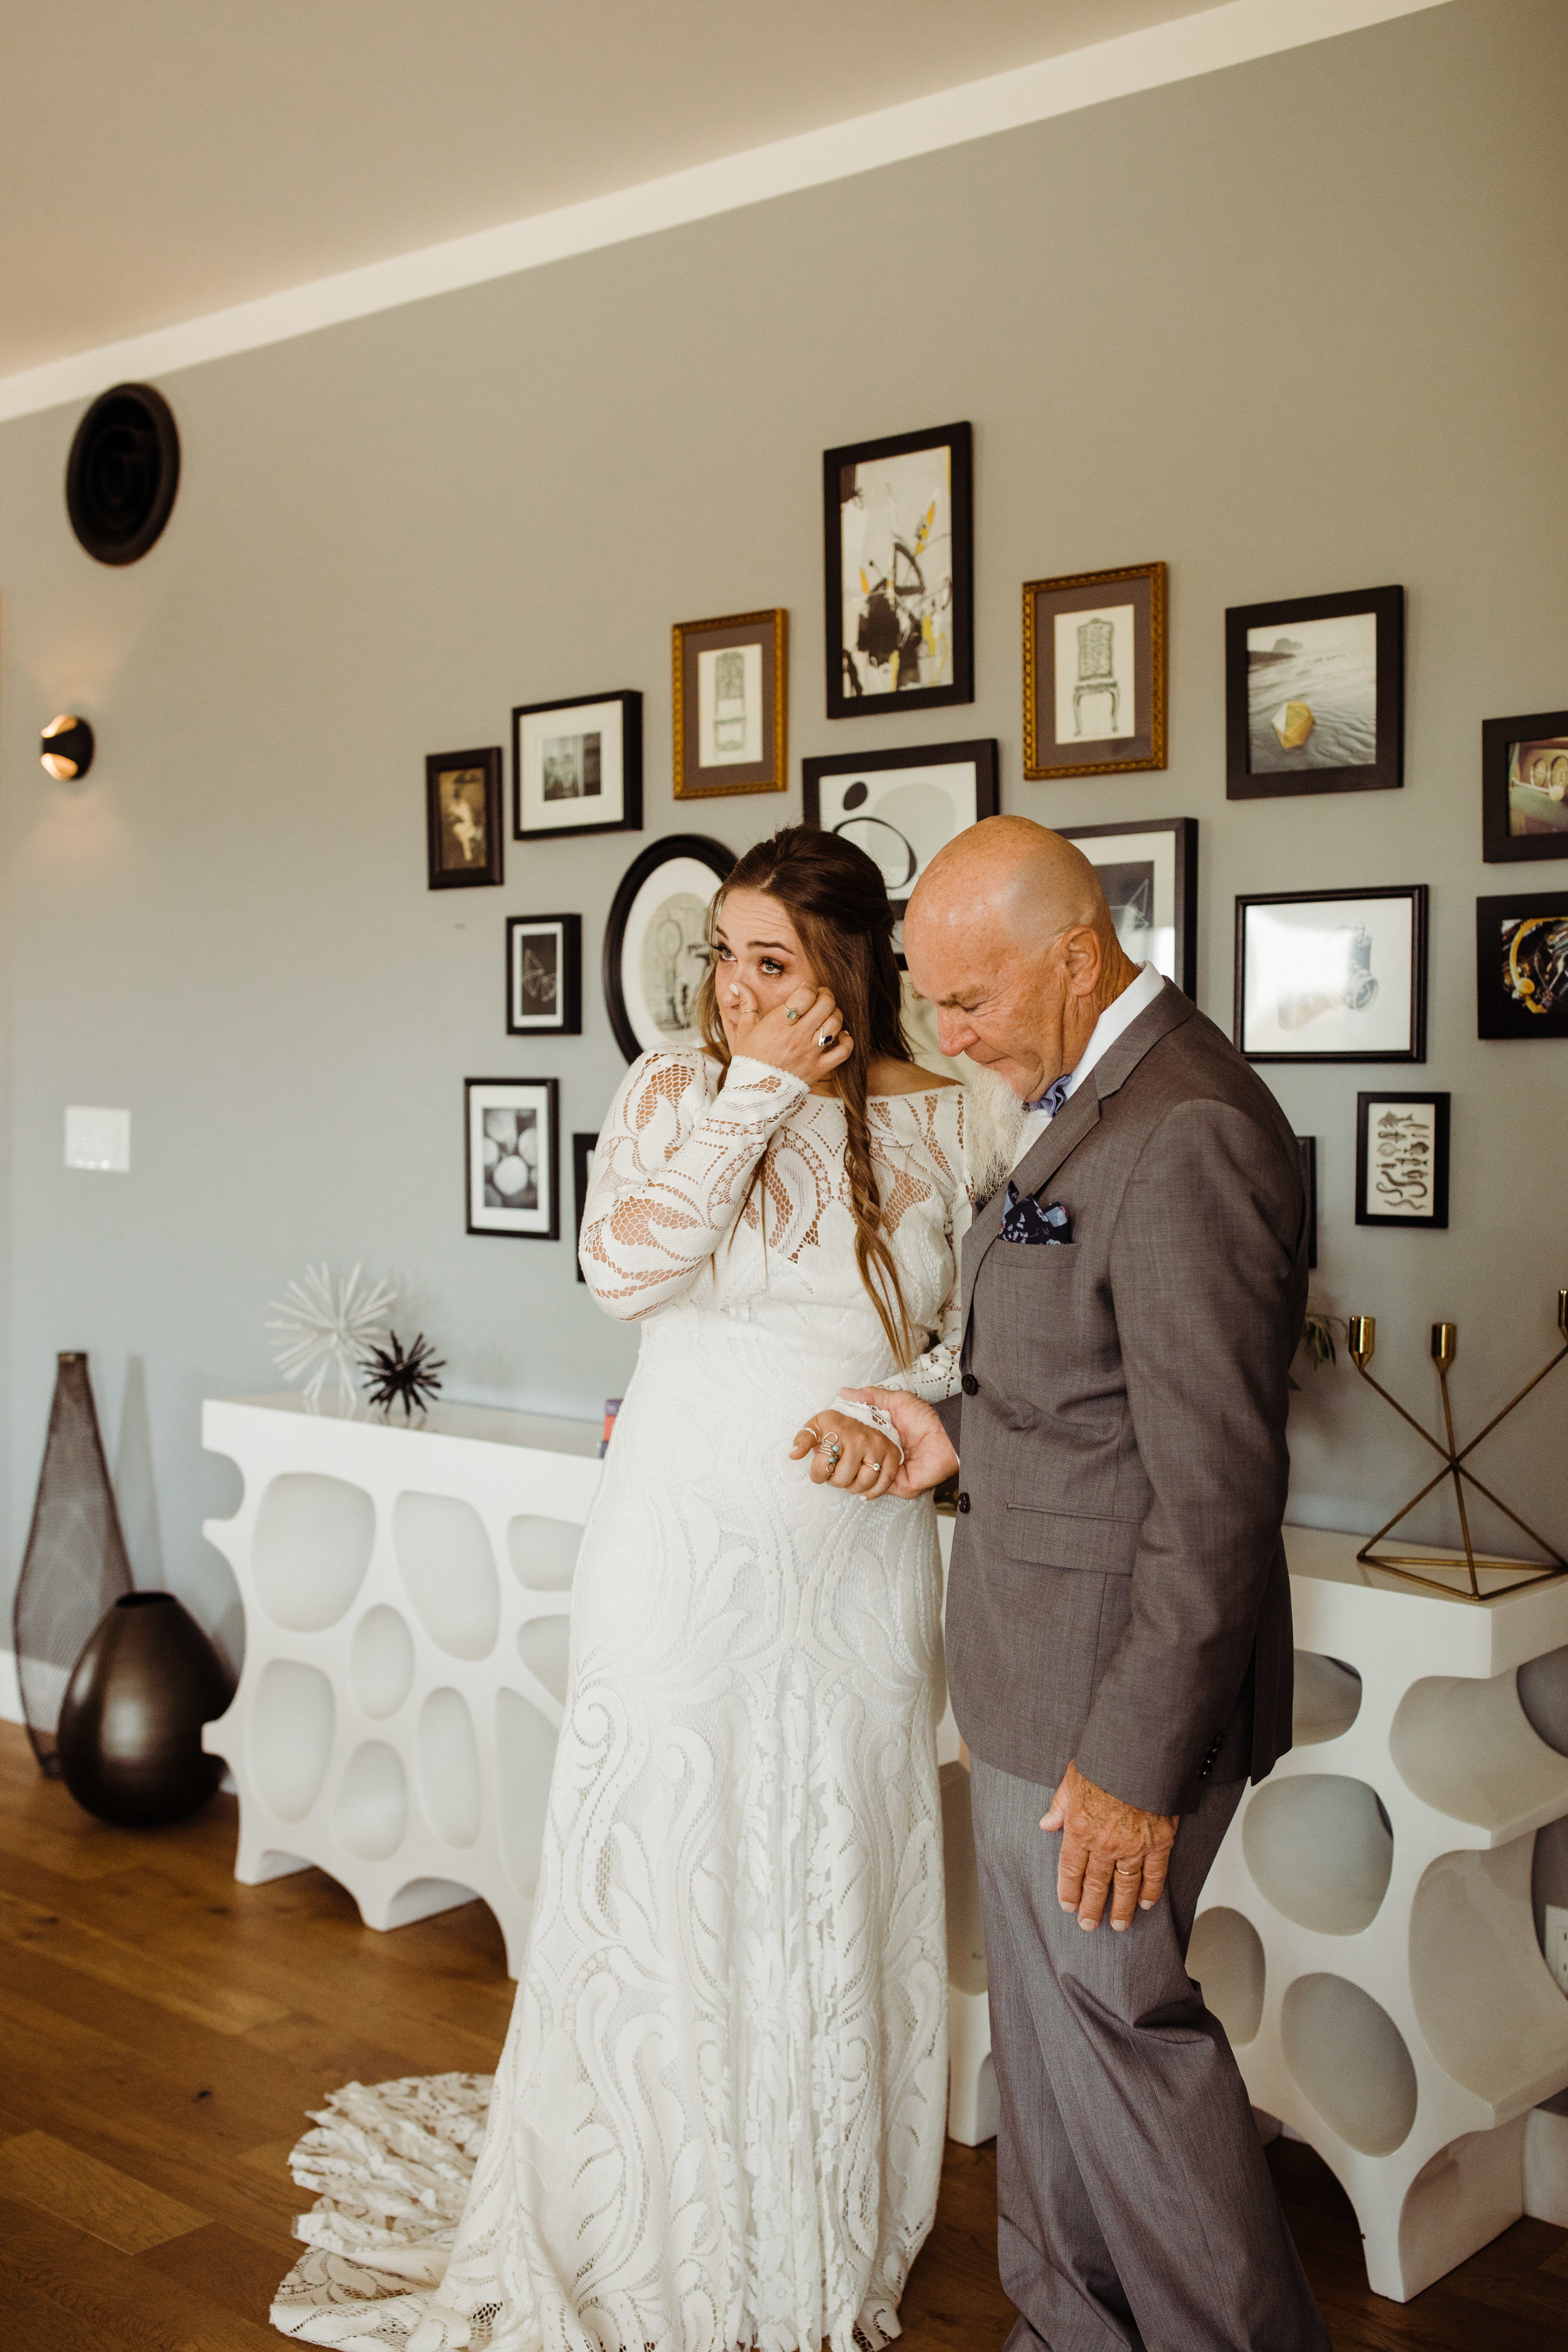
(1094, 672)
(732, 698)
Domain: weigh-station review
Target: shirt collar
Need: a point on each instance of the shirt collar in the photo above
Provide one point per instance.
(1117, 1016)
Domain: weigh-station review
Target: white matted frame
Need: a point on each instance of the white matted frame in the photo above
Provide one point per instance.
(900, 807)
(544, 976)
(656, 941)
(1149, 870)
(577, 766)
(512, 1153)
(1332, 975)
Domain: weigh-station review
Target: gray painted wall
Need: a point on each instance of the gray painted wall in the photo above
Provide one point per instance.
(1295, 327)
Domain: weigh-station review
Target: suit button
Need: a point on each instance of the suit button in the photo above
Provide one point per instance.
(970, 1385)
(964, 1502)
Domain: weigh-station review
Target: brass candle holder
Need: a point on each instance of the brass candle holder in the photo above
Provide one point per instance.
(1361, 1334)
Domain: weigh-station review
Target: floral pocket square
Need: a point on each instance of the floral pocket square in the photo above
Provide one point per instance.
(1025, 1219)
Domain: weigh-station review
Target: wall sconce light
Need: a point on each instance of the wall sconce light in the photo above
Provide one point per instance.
(65, 748)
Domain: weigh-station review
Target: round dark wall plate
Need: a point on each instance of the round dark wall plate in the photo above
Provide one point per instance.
(122, 473)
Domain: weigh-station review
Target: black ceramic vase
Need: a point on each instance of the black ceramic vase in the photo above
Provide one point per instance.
(131, 1721)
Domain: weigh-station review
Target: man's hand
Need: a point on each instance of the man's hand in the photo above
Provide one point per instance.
(1107, 1845)
(929, 1457)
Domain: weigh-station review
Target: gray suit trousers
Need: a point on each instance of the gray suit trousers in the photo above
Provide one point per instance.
(1136, 2210)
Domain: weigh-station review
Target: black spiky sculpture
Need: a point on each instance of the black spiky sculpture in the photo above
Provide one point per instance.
(395, 1378)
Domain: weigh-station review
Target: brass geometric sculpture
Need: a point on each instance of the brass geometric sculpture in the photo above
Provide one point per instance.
(1363, 1338)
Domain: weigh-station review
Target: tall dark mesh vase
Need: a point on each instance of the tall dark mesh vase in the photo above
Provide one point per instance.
(75, 1566)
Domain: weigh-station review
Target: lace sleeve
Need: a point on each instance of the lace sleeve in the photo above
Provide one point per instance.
(670, 1170)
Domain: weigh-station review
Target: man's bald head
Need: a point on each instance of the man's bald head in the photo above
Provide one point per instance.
(1009, 934)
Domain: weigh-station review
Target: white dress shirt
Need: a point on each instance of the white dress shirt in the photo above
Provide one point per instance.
(1135, 999)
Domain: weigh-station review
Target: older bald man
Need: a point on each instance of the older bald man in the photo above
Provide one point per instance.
(1118, 1613)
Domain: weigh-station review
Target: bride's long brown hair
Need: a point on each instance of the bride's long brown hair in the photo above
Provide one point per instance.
(837, 902)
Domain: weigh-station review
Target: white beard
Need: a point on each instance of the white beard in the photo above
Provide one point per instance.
(992, 1129)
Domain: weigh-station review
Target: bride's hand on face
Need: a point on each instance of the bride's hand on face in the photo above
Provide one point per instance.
(846, 1453)
(789, 1036)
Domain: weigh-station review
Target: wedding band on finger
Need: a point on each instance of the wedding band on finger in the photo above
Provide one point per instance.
(1129, 1870)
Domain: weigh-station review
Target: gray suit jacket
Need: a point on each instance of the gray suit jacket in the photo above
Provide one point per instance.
(1118, 1592)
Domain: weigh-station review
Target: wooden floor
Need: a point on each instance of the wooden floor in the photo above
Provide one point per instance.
(164, 2032)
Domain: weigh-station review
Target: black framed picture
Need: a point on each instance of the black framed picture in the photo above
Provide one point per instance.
(732, 705)
(902, 806)
(462, 818)
(1524, 787)
(544, 974)
(1094, 672)
(1149, 871)
(656, 941)
(577, 766)
(1307, 1145)
(1402, 1160)
(1332, 975)
(898, 536)
(1521, 965)
(1314, 695)
(582, 1150)
(512, 1150)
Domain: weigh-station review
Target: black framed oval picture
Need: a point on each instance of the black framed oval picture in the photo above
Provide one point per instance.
(656, 941)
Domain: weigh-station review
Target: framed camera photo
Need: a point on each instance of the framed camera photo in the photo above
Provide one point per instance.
(731, 696)
(1094, 672)
(1521, 965)
(1524, 787)
(899, 550)
(1149, 871)
(901, 806)
(577, 766)
(463, 819)
(1314, 695)
(544, 976)
(1332, 975)
(1402, 1160)
(582, 1150)
(512, 1152)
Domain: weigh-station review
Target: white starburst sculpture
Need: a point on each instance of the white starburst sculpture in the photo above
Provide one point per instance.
(321, 1327)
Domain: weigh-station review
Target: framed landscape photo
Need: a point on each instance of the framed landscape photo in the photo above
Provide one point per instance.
(582, 1150)
(1094, 672)
(577, 766)
(1332, 975)
(1314, 695)
(902, 806)
(1149, 871)
(1524, 787)
(1402, 1160)
(656, 941)
(512, 1153)
(731, 694)
(544, 974)
(1521, 965)
(462, 818)
(899, 547)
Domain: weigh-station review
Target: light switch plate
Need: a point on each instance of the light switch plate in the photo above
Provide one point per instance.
(1557, 1943)
(98, 1138)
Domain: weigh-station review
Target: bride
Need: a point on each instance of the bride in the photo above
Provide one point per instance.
(718, 2120)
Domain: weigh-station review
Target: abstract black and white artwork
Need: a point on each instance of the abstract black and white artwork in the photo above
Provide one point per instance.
(1333, 976)
(1148, 869)
(1315, 695)
(900, 571)
(544, 974)
(512, 1150)
(1402, 1160)
(900, 807)
(576, 767)
(656, 941)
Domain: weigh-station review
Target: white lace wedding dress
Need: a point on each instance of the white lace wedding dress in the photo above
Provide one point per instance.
(718, 2120)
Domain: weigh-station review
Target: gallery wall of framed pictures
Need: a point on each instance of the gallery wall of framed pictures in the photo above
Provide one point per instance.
(1312, 690)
